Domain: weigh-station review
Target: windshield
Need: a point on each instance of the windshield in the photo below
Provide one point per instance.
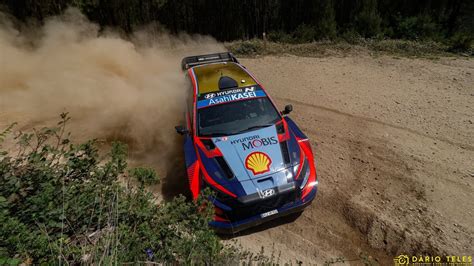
(236, 117)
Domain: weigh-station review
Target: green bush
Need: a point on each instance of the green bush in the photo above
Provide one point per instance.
(145, 176)
(461, 42)
(250, 47)
(59, 203)
(279, 36)
(368, 20)
(326, 21)
(351, 36)
(304, 33)
(419, 27)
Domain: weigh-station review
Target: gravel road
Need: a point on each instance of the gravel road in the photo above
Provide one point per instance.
(394, 145)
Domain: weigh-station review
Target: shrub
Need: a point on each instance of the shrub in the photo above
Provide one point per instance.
(461, 42)
(351, 36)
(250, 47)
(60, 203)
(304, 34)
(279, 36)
(419, 27)
(368, 20)
(326, 20)
(145, 176)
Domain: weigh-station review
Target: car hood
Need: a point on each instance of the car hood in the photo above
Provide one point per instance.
(252, 155)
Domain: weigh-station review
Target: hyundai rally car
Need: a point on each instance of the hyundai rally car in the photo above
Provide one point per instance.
(255, 158)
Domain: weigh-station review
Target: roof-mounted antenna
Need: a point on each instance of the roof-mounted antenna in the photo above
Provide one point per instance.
(226, 82)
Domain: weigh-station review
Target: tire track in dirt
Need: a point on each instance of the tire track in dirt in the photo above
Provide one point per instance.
(386, 187)
(372, 120)
(372, 159)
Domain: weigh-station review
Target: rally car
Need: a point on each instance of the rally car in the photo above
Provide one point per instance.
(256, 160)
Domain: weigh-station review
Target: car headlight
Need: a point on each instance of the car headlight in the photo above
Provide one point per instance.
(305, 173)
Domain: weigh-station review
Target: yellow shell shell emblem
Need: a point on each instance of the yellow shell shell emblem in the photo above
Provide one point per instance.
(258, 162)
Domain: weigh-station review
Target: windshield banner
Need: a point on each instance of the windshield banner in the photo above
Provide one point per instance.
(231, 95)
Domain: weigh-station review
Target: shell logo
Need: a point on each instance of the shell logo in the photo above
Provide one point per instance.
(258, 162)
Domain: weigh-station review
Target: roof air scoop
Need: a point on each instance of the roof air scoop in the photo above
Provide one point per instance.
(227, 83)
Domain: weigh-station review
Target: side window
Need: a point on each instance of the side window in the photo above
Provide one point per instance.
(189, 103)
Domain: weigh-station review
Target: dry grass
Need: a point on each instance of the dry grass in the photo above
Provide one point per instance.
(404, 48)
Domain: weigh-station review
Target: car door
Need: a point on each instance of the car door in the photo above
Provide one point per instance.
(190, 157)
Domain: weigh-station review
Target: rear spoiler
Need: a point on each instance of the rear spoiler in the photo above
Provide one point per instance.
(197, 60)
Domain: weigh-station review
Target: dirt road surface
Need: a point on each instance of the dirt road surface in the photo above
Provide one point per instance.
(394, 145)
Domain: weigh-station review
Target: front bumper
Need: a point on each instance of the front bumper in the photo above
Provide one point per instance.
(236, 226)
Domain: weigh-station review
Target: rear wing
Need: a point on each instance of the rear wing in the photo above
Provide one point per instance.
(197, 60)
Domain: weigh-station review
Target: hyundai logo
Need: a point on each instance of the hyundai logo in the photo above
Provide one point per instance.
(210, 95)
(266, 193)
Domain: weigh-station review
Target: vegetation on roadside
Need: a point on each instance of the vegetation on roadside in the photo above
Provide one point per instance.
(450, 23)
(144, 176)
(61, 203)
(408, 48)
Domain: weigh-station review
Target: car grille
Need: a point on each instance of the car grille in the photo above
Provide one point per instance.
(241, 211)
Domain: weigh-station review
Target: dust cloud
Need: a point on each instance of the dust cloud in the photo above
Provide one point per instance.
(128, 88)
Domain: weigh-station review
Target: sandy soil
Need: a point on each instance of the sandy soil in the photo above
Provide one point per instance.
(394, 144)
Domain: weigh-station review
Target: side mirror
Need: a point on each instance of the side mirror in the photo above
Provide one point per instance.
(181, 130)
(288, 109)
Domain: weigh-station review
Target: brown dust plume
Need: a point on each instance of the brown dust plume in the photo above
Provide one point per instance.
(131, 89)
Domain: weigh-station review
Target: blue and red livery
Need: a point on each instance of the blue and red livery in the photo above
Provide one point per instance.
(257, 161)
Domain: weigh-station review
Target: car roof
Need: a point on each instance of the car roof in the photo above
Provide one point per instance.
(207, 76)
